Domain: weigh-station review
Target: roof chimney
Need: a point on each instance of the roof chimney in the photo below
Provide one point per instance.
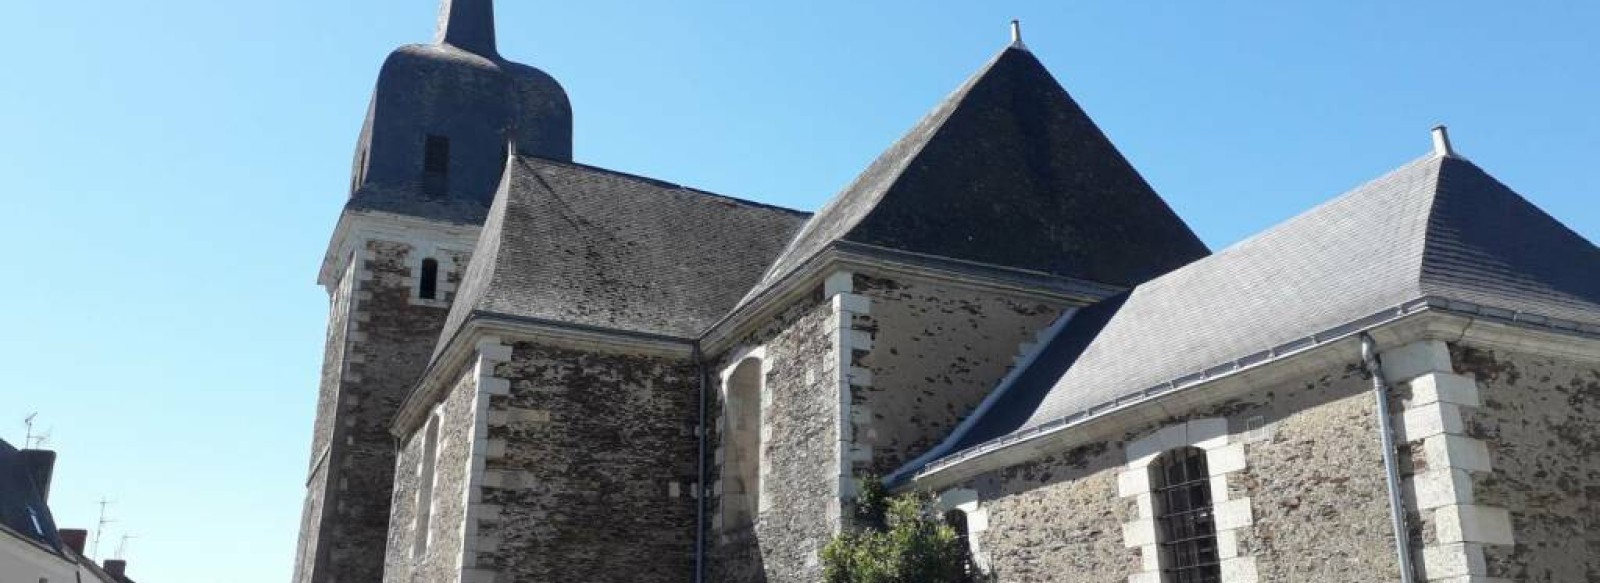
(117, 568)
(1441, 142)
(41, 466)
(75, 539)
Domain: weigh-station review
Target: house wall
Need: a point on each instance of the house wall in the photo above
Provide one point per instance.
(589, 466)
(934, 352)
(1298, 453)
(801, 449)
(441, 561)
(380, 338)
(1540, 419)
(28, 562)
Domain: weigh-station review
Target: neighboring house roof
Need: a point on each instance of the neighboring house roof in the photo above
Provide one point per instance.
(1007, 171)
(1438, 228)
(577, 245)
(23, 511)
(99, 573)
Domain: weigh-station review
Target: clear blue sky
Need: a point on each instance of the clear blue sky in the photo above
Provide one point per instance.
(171, 172)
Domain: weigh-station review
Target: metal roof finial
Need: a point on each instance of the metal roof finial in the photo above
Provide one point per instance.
(1016, 33)
(1441, 142)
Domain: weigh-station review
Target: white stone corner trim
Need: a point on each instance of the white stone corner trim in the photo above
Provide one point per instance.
(1441, 490)
(1224, 457)
(839, 288)
(492, 351)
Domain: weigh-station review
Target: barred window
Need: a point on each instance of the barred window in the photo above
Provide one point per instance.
(1187, 528)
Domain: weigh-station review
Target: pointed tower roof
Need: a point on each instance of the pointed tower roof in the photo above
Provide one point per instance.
(468, 25)
(455, 102)
(1007, 171)
(1436, 234)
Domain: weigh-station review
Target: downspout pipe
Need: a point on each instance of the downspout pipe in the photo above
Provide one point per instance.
(1391, 466)
(700, 482)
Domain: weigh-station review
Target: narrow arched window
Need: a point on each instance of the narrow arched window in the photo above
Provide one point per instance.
(957, 519)
(741, 469)
(428, 287)
(1187, 530)
(425, 485)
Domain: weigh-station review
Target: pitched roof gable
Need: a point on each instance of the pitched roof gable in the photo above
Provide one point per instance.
(577, 245)
(1009, 171)
(1437, 228)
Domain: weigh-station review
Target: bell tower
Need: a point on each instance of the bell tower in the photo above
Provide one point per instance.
(428, 162)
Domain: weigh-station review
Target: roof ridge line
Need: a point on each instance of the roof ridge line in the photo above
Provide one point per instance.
(1428, 224)
(942, 112)
(662, 183)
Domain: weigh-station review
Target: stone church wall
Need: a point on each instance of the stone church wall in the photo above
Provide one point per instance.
(1540, 417)
(1312, 475)
(935, 352)
(590, 467)
(322, 429)
(379, 340)
(441, 559)
(803, 443)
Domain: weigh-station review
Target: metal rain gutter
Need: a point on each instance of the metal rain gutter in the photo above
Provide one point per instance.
(700, 488)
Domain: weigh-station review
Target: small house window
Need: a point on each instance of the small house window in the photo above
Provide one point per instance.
(1187, 528)
(428, 288)
(436, 166)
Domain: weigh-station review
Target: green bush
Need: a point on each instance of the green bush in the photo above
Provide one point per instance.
(900, 540)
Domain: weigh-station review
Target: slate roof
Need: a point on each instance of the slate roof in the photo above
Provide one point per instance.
(22, 506)
(592, 247)
(1008, 171)
(1439, 227)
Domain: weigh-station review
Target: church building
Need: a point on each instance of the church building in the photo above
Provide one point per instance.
(539, 370)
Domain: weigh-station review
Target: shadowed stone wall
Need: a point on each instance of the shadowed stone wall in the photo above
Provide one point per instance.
(440, 561)
(1312, 474)
(1541, 420)
(322, 428)
(589, 469)
(935, 352)
(801, 448)
(379, 340)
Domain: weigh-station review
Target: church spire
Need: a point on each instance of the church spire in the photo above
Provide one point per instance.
(468, 25)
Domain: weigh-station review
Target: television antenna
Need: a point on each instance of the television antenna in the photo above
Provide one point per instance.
(33, 440)
(100, 528)
(122, 547)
